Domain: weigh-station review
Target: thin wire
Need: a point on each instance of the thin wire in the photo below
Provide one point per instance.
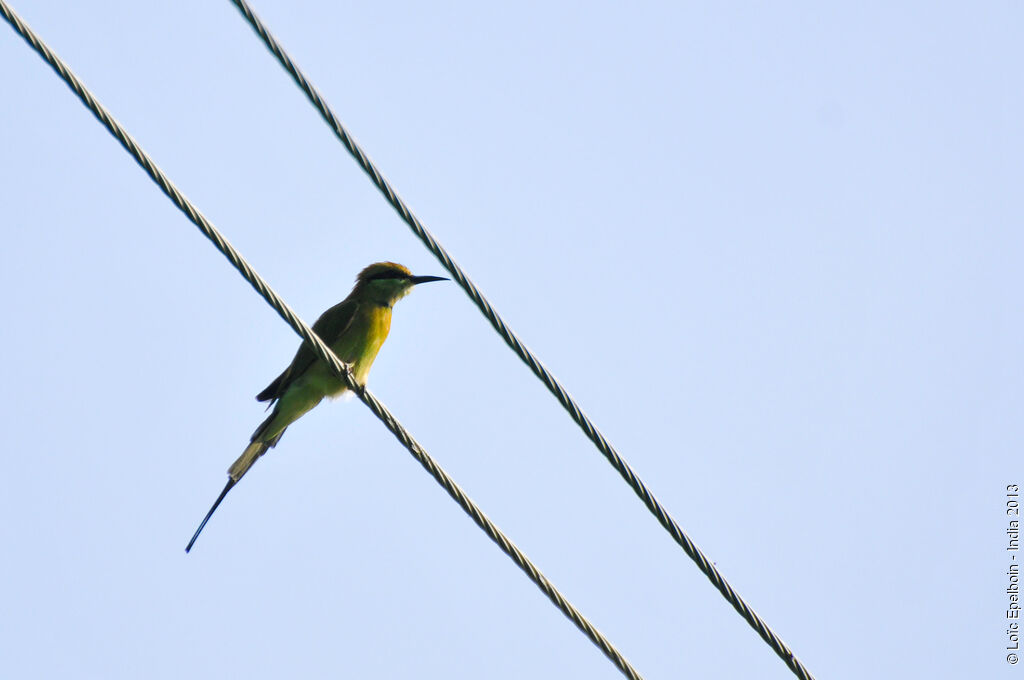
(322, 351)
(545, 376)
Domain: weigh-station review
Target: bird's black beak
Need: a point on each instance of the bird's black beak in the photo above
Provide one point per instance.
(425, 279)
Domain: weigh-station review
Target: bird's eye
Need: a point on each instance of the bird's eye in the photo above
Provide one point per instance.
(388, 275)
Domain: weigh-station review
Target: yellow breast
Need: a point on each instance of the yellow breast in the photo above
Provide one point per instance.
(359, 345)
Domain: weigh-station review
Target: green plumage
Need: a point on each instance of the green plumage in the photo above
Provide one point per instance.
(354, 329)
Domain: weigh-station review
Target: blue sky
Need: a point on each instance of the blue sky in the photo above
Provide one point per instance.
(773, 250)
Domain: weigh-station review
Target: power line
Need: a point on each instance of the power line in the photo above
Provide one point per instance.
(545, 376)
(323, 351)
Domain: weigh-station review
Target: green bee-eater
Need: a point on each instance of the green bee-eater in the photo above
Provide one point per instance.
(354, 329)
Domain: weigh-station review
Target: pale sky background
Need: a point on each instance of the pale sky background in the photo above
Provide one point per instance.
(773, 249)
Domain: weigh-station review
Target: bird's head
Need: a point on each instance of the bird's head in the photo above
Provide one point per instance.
(387, 282)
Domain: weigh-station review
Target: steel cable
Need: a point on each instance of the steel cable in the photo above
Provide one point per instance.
(322, 351)
(545, 376)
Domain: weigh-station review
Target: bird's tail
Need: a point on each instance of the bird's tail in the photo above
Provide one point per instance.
(251, 454)
(257, 447)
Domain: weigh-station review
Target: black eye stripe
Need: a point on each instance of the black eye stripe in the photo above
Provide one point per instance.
(388, 275)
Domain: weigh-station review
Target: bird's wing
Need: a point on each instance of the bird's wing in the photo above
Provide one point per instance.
(331, 325)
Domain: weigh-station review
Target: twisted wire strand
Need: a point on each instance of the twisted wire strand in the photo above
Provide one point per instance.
(513, 341)
(322, 350)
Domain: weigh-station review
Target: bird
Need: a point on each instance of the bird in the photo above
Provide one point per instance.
(354, 329)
